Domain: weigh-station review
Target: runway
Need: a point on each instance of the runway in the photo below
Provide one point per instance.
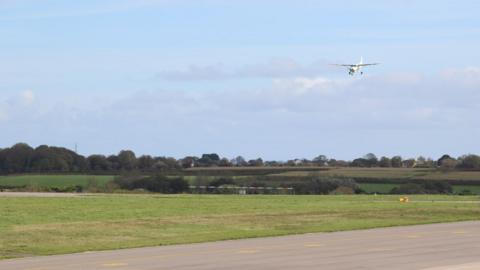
(450, 246)
(39, 194)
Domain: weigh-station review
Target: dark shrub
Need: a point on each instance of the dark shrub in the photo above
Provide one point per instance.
(222, 181)
(127, 181)
(177, 185)
(78, 188)
(159, 183)
(427, 187)
(438, 187)
(325, 186)
(466, 192)
(409, 188)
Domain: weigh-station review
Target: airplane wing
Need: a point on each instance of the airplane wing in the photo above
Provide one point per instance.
(342, 65)
(371, 64)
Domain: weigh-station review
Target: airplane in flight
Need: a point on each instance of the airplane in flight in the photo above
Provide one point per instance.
(354, 68)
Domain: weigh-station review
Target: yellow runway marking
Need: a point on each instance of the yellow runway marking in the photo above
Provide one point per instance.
(114, 264)
(413, 236)
(459, 232)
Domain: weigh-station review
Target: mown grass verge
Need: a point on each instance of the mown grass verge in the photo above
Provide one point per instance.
(43, 226)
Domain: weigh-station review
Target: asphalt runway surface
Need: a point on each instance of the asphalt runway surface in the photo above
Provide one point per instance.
(450, 246)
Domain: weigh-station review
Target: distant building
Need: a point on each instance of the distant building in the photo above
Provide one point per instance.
(409, 163)
(297, 162)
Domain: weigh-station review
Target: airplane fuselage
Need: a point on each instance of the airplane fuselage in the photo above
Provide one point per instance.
(354, 69)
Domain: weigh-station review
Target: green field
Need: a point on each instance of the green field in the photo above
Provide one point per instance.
(385, 188)
(59, 181)
(371, 180)
(353, 172)
(382, 188)
(43, 226)
(379, 176)
(390, 173)
(459, 188)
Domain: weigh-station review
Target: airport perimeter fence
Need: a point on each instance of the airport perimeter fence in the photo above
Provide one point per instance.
(241, 190)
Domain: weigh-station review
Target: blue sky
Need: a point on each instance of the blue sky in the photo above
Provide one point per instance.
(247, 78)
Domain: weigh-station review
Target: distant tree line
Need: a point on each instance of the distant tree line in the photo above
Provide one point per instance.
(22, 158)
(446, 162)
(308, 186)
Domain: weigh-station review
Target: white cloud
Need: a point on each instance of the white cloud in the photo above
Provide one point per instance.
(275, 68)
(404, 100)
(272, 69)
(304, 85)
(27, 97)
(465, 76)
(360, 114)
(197, 73)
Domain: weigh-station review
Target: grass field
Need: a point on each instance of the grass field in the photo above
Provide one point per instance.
(43, 226)
(383, 188)
(459, 188)
(61, 181)
(390, 173)
(58, 181)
